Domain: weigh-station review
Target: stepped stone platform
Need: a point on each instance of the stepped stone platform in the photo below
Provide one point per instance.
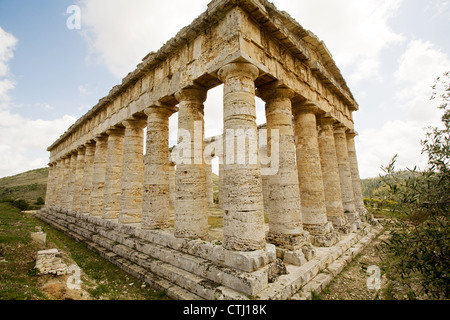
(197, 269)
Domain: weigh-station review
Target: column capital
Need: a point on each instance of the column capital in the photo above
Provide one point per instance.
(244, 69)
(327, 122)
(340, 128)
(307, 106)
(192, 94)
(101, 137)
(134, 123)
(162, 109)
(351, 134)
(115, 131)
(81, 148)
(274, 90)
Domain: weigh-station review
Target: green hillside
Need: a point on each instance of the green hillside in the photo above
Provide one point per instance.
(27, 186)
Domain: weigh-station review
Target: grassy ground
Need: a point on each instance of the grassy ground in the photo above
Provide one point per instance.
(28, 186)
(101, 280)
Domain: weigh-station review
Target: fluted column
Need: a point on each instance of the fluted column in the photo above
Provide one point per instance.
(86, 189)
(155, 211)
(191, 208)
(284, 205)
(353, 160)
(113, 174)
(172, 184)
(330, 171)
(78, 181)
(221, 183)
(310, 177)
(348, 198)
(243, 200)
(209, 185)
(50, 192)
(99, 174)
(65, 190)
(60, 165)
(131, 198)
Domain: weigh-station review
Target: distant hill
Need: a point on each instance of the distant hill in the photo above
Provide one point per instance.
(28, 186)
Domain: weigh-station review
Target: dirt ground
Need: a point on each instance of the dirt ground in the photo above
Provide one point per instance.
(352, 282)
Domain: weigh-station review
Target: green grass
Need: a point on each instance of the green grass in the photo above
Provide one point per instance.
(18, 279)
(28, 186)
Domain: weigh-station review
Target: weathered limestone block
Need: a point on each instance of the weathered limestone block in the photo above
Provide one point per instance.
(348, 198)
(330, 171)
(131, 197)
(356, 180)
(243, 201)
(78, 181)
(86, 189)
(284, 204)
(310, 176)
(155, 211)
(50, 262)
(191, 208)
(113, 178)
(99, 174)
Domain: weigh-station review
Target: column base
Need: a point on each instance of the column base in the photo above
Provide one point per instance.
(291, 242)
(354, 218)
(323, 235)
(341, 224)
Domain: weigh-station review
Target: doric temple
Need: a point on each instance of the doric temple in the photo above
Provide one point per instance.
(284, 230)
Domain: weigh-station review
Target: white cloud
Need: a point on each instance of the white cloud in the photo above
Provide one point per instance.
(355, 31)
(120, 33)
(23, 141)
(419, 66)
(377, 147)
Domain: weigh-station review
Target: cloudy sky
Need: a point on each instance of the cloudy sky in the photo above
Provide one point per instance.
(389, 51)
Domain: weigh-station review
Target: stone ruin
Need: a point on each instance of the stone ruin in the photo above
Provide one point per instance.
(103, 191)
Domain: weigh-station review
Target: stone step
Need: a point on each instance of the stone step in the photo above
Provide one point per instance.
(246, 283)
(159, 283)
(162, 260)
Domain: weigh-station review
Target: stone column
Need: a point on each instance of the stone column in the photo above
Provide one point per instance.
(98, 177)
(221, 183)
(59, 183)
(72, 177)
(310, 177)
(330, 171)
(78, 182)
(353, 160)
(209, 184)
(191, 208)
(172, 185)
(243, 200)
(50, 192)
(284, 205)
(86, 189)
(348, 198)
(155, 211)
(113, 176)
(65, 189)
(131, 197)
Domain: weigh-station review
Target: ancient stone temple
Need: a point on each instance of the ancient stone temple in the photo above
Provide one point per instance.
(289, 222)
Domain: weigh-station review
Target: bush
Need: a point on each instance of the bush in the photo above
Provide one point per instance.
(420, 242)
